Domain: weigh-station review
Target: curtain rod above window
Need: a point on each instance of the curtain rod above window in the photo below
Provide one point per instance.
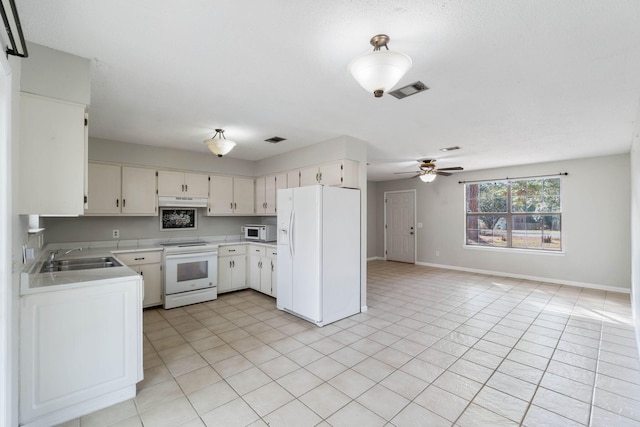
(514, 177)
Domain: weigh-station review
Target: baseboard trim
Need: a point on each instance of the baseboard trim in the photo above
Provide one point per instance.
(373, 258)
(526, 277)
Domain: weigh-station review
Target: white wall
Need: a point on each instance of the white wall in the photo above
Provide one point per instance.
(372, 202)
(595, 220)
(145, 155)
(56, 74)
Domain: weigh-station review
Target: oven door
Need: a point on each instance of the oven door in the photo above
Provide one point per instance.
(188, 272)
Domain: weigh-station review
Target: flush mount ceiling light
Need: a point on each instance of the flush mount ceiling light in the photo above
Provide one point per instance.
(220, 145)
(380, 70)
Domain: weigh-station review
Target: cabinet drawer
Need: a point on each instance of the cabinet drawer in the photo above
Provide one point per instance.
(136, 258)
(257, 250)
(232, 250)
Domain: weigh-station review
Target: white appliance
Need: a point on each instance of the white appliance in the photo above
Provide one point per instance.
(260, 232)
(319, 253)
(190, 273)
(183, 202)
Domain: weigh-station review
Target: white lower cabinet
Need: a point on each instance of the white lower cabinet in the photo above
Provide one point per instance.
(261, 269)
(232, 268)
(149, 266)
(80, 350)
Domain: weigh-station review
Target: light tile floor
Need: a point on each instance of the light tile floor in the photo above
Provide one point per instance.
(436, 348)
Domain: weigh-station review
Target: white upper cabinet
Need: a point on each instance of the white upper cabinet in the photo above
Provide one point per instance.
(231, 195)
(182, 184)
(105, 183)
(53, 156)
(293, 179)
(121, 190)
(266, 191)
(342, 173)
(139, 195)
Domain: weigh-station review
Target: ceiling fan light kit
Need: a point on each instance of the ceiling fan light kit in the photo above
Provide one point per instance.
(220, 145)
(428, 177)
(380, 70)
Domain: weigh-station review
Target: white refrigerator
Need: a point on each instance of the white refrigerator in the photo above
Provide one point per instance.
(318, 260)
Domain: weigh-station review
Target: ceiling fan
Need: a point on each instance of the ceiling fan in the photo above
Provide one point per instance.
(428, 170)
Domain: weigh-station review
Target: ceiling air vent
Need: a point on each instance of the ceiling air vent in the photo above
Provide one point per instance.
(275, 140)
(409, 90)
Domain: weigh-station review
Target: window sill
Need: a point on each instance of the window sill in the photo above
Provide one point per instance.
(514, 250)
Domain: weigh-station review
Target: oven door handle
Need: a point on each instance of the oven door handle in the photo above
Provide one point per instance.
(191, 255)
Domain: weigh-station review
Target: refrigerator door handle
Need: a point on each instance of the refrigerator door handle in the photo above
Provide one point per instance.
(291, 231)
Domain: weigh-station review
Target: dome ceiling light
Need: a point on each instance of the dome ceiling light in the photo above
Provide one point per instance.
(380, 70)
(220, 145)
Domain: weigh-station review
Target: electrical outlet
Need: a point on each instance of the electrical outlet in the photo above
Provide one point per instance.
(419, 225)
(437, 252)
(116, 234)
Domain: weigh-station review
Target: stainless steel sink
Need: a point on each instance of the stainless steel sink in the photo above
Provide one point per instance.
(79, 264)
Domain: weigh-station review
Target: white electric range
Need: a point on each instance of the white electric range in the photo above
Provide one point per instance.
(190, 273)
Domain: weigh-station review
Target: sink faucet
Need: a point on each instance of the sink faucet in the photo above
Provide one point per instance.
(52, 254)
(74, 249)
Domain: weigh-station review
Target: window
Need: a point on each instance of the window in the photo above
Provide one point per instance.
(522, 214)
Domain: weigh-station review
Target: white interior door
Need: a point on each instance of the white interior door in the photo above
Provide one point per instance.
(400, 235)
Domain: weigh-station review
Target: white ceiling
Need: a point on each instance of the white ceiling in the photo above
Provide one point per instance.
(511, 81)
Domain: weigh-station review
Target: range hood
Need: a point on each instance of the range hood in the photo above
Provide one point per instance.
(182, 202)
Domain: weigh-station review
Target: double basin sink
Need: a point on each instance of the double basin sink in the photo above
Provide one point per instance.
(79, 264)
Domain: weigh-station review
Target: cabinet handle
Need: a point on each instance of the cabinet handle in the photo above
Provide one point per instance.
(231, 205)
(182, 186)
(235, 205)
(138, 259)
(117, 203)
(124, 203)
(259, 264)
(142, 274)
(317, 177)
(186, 187)
(320, 176)
(230, 265)
(271, 265)
(233, 263)
(232, 250)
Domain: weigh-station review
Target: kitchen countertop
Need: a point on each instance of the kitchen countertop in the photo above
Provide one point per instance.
(34, 282)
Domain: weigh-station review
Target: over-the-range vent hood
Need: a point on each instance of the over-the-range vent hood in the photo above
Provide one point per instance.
(182, 202)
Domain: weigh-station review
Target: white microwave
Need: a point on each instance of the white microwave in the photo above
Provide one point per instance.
(260, 232)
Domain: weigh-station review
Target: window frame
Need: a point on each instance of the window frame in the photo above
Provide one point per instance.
(509, 215)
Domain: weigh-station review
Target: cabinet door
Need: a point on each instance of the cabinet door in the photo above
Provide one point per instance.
(293, 179)
(309, 176)
(261, 196)
(239, 275)
(171, 183)
(331, 174)
(220, 195)
(280, 183)
(139, 191)
(53, 157)
(104, 189)
(270, 194)
(265, 275)
(274, 277)
(196, 185)
(225, 270)
(152, 276)
(243, 196)
(253, 272)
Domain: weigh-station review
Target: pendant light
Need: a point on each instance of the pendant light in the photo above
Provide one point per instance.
(220, 145)
(379, 71)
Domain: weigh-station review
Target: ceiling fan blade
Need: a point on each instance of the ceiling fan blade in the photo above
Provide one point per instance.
(397, 173)
(443, 173)
(455, 168)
